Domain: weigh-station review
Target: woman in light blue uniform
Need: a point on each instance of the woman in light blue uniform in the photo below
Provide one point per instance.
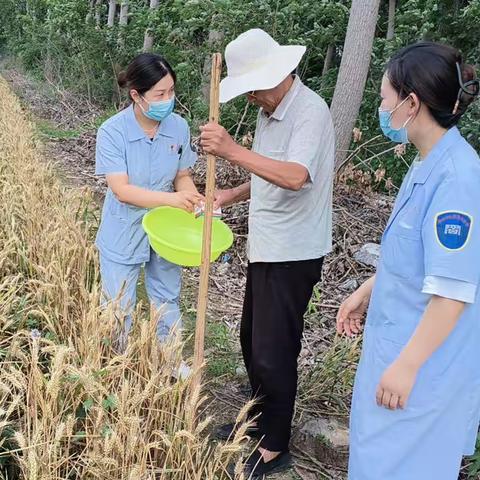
(416, 402)
(144, 151)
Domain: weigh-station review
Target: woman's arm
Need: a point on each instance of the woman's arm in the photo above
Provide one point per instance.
(141, 197)
(184, 182)
(439, 320)
(351, 313)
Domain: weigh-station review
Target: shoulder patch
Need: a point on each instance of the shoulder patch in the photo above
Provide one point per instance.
(453, 229)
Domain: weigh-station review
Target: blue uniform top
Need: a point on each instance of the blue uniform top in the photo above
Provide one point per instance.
(433, 233)
(123, 147)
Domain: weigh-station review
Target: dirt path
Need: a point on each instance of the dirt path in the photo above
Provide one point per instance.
(67, 125)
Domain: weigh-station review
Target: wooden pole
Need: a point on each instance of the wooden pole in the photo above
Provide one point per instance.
(207, 228)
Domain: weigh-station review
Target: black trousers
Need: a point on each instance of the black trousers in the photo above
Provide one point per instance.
(276, 298)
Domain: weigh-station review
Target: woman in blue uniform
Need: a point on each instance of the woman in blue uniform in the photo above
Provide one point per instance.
(416, 401)
(144, 151)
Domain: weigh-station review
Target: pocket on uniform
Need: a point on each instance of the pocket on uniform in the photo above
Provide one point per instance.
(164, 169)
(115, 232)
(118, 210)
(401, 252)
(387, 350)
(425, 391)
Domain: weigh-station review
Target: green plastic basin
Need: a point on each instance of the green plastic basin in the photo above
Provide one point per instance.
(176, 236)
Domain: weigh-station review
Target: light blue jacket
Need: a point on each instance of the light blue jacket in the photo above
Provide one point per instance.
(434, 231)
(123, 147)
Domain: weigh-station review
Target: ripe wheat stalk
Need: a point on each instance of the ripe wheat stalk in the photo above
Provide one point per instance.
(71, 405)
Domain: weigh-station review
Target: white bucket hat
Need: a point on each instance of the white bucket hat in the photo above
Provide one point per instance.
(255, 61)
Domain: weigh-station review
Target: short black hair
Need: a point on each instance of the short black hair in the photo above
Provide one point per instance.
(144, 71)
(429, 70)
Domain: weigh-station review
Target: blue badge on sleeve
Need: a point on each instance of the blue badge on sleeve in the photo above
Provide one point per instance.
(453, 229)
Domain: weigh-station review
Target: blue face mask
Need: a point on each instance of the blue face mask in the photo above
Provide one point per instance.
(158, 111)
(399, 135)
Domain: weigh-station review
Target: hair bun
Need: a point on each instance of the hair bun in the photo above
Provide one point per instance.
(122, 79)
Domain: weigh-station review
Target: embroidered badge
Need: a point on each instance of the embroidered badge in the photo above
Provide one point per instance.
(453, 229)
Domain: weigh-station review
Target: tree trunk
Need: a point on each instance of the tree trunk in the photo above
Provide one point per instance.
(123, 13)
(353, 73)
(391, 19)
(112, 7)
(123, 22)
(98, 13)
(48, 63)
(91, 10)
(328, 59)
(148, 40)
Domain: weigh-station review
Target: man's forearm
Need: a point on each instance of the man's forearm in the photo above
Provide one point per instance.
(288, 175)
(241, 193)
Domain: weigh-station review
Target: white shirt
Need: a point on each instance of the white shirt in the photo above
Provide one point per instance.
(287, 225)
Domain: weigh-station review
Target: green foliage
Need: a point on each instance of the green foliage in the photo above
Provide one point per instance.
(452, 22)
(222, 360)
(48, 130)
(473, 468)
(61, 40)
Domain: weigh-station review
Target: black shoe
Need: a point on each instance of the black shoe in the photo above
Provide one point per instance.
(256, 468)
(245, 389)
(228, 431)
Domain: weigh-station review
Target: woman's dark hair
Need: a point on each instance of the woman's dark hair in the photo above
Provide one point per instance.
(144, 71)
(437, 75)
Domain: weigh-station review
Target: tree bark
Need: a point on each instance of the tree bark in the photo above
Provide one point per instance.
(123, 22)
(391, 19)
(328, 59)
(98, 13)
(91, 10)
(123, 13)
(148, 39)
(112, 7)
(353, 72)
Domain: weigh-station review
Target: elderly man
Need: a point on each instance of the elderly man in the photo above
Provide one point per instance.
(290, 225)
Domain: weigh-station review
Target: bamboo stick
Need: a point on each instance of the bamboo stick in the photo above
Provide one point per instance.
(207, 228)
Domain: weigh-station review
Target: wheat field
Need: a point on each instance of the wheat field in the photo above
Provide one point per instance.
(71, 405)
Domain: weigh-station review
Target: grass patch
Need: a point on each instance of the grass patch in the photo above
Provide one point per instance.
(328, 385)
(47, 130)
(222, 359)
(220, 353)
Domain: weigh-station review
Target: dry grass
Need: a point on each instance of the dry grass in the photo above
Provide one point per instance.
(71, 406)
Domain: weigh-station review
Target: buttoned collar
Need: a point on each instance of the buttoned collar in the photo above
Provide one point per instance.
(135, 131)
